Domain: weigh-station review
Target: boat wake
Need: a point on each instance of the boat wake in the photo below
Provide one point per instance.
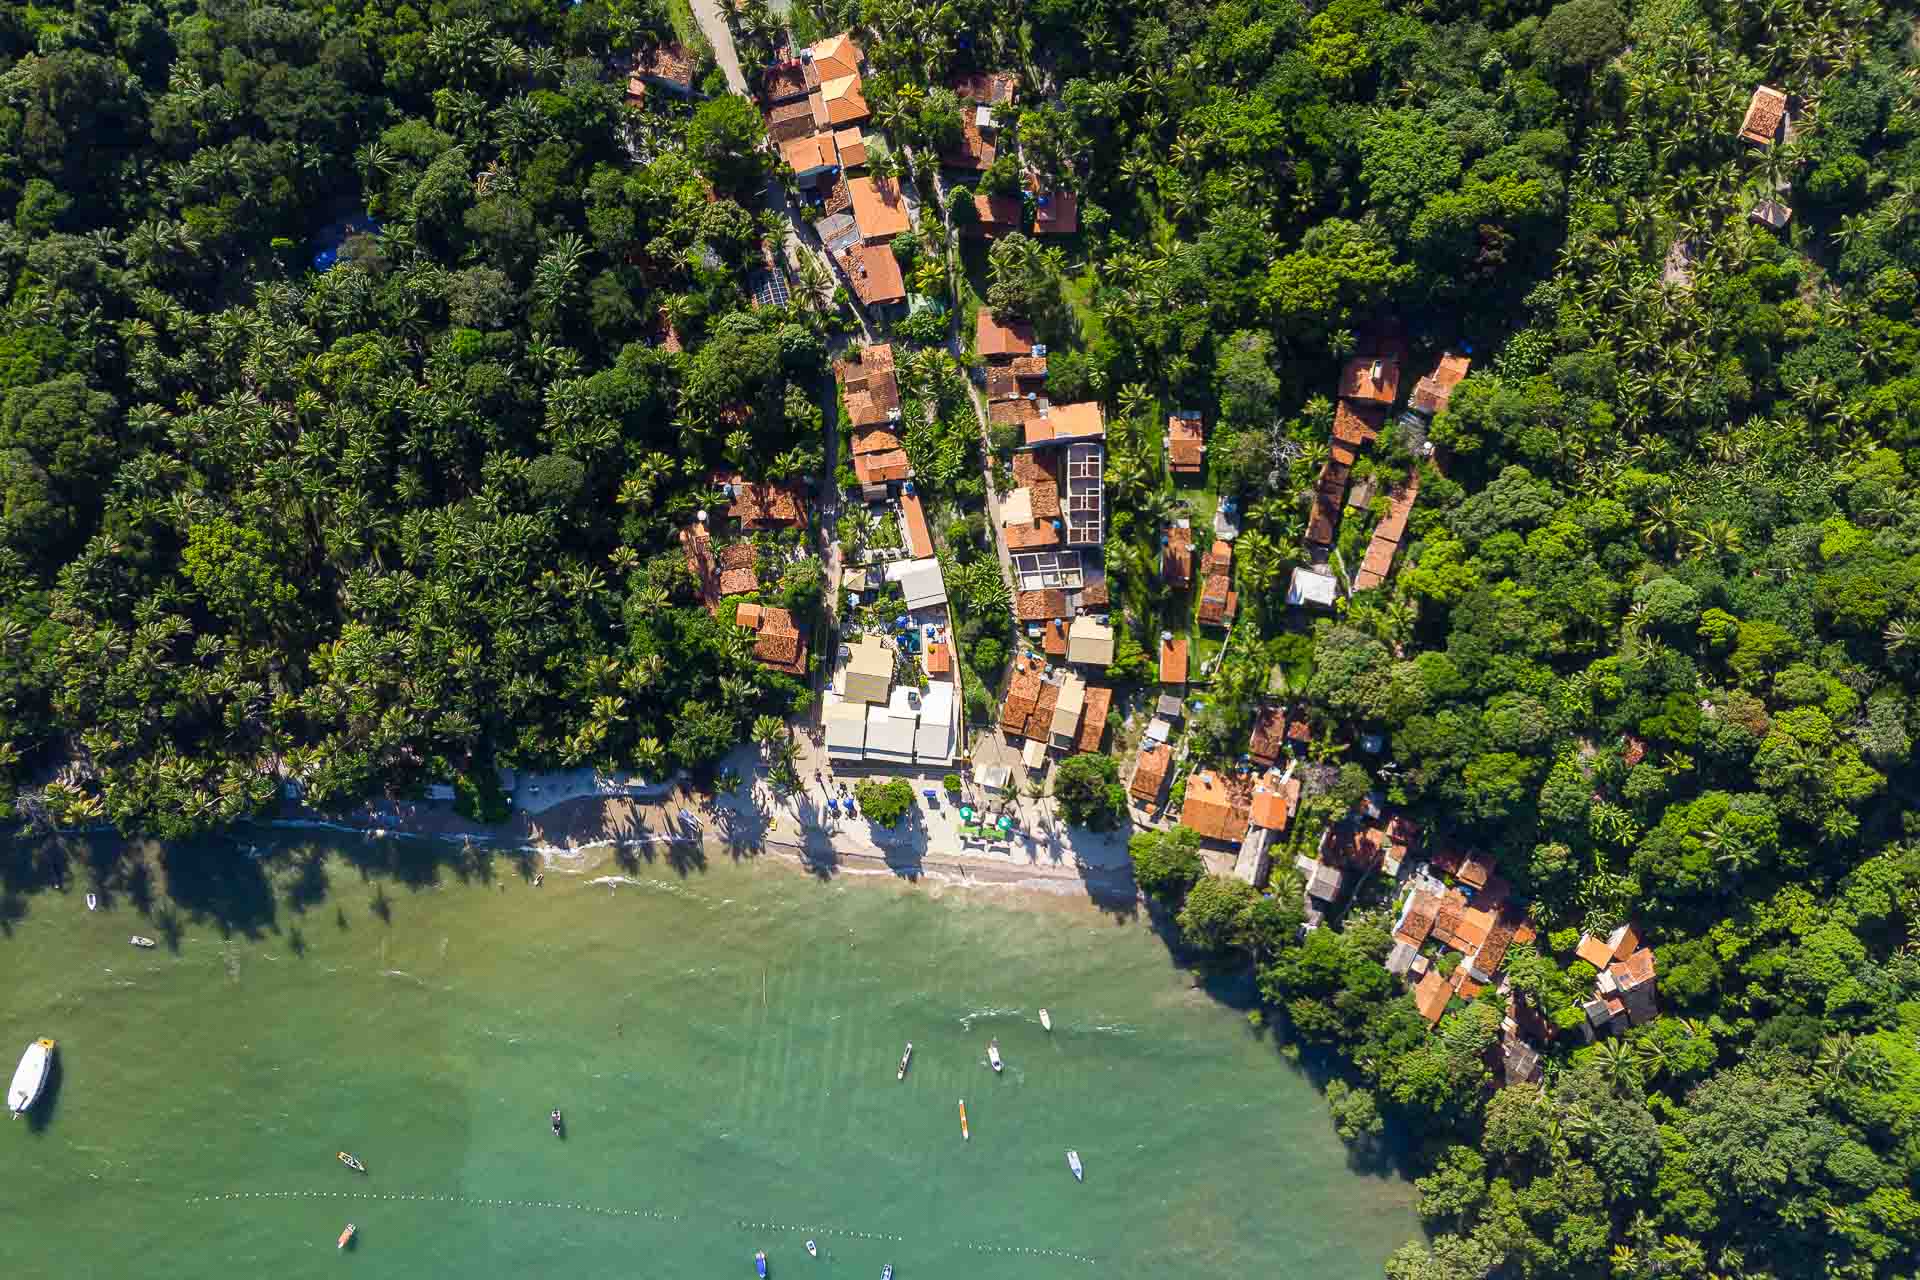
(968, 1019)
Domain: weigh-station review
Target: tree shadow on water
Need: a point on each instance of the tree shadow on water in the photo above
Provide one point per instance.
(213, 885)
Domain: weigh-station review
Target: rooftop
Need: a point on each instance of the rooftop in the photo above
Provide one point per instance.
(919, 539)
(1765, 112)
(878, 207)
(1093, 720)
(763, 506)
(974, 153)
(1186, 443)
(1064, 422)
(851, 145)
(1217, 805)
(1375, 379)
(1090, 642)
(1432, 393)
(836, 56)
(1268, 736)
(993, 88)
(1056, 213)
(667, 65)
(993, 338)
(1150, 772)
(1033, 606)
(842, 102)
(1173, 660)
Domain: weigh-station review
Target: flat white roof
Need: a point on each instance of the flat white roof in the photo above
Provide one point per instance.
(889, 737)
(1034, 753)
(933, 742)
(1089, 641)
(936, 703)
(1310, 587)
(920, 581)
(1017, 507)
(846, 726)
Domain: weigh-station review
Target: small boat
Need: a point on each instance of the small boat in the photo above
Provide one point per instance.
(813, 1250)
(993, 1054)
(1073, 1163)
(345, 1236)
(964, 1135)
(886, 1272)
(1046, 1020)
(145, 944)
(905, 1058)
(352, 1163)
(93, 902)
(30, 1077)
(760, 1264)
(556, 1122)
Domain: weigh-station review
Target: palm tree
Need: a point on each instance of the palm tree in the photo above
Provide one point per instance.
(1618, 1063)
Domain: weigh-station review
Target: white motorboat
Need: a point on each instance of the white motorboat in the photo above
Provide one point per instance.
(93, 902)
(30, 1077)
(905, 1058)
(1073, 1163)
(141, 942)
(886, 1272)
(1046, 1020)
(813, 1250)
(993, 1054)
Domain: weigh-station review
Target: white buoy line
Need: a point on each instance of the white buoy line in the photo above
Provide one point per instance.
(657, 1215)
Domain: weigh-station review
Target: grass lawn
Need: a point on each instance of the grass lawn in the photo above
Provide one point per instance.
(685, 26)
(1078, 291)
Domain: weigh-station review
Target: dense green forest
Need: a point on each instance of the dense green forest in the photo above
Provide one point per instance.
(335, 436)
(338, 439)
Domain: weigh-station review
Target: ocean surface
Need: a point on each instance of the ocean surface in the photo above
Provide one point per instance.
(723, 1043)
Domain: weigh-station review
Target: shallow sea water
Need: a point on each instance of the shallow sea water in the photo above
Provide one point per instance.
(723, 1044)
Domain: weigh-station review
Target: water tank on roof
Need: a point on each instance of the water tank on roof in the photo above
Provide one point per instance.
(1040, 348)
(701, 515)
(908, 486)
(1166, 637)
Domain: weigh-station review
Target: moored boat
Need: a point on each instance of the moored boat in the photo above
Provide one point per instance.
(145, 944)
(352, 1163)
(813, 1250)
(93, 902)
(964, 1135)
(30, 1077)
(905, 1058)
(556, 1122)
(346, 1236)
(993, 1054)
(1046, 1021)
(1073, 1163)
(886, 1272)
(760, 1264)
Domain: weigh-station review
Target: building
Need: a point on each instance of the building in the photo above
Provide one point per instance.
(811, 157)
(1312, 587)
(1218, 806)
(1766, 118)
(789, 120)
(845, 727)
(874, 274)
(1031, 697)
(1093, 720)
(1176, 554)
(1056, 213)
(919, 537)
(1387, 535)
(1069, 704)
(1269, 735)
(738, 574)
(1018, 378)
(1065, 423)
(1355, 426)
(1432, 393)
(1173, 659)
(934, 740)
(1186, 446)
(995, 216)
(868, 674)
(879, 208)
(1218, 600)
(838, 102)
(1275, 799)
(833, 58)
(1089, 642)
(851, 145)
(1084, 505)
(921, 582)
(665, 66)
(760, 506)
(1039, 606)
(1030, 515)
(997, 340)
(1371, 380)
(784, 82)
(1150, 774)
(975, 152)
(777, 642)
(986, 88)
(1771, 213)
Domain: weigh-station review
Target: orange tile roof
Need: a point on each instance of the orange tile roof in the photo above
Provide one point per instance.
(875, 440)
(1082, 421)
(984, 87)
(747, 615)
(815, 151)
(842, 102)
(836, 56)
(880, 468)
(1012, 413)
(996, 213)
(939, 659)
(1033, 606)
(993, 338)
(878, 208)
(1032, 537)
(1357, 425)
(1093, 719)
(1218, 600)
(875, 274)
(974, 152)
(1217, 806)
(1173, 660)
(1028, 710)
(1357, 380)
(1045, 500)
(851, 144)
(1186, 444)
(1176, 561)
(1433, 393)
(1053, 638)
(1273, 802)
(1059, 216)
(919, 538)
(738, 582)
(1432, 995)
(1006, 381)
(784, 81)
(1635, 969)
(1421, 916)
(1269, 734)
(779, 644)
(763, 506)
(1033, 469)
(1150, 772)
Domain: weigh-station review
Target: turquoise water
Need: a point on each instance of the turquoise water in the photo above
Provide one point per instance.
(723, 1045)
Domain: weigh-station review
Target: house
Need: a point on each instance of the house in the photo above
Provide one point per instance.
(767, 282)
(1601, 952)
(1355, 426)
(877, 467)
(919, 537)
(973, 153)
(1062, 423)
(995, 215)
(995, 340)
(1089, 642)
(1150, 774)
(1432, 996)
(933, 740)
(1176, 555)
(811, 156)
(1311, 586)
(1053, 638)
(851, 146)
(834, 58)
(790, 120)
(838, 103)
(1030, 516)
(1766, 116)
(1084, 504)
(1173, 659)
(1431, 393)
(1186, 445)
(874, 273)
(1771, 213)
(737, 570)
(777, 643)
(845, 727)
(1371, 379)
(1329, 499)
(665, 66)
(1056, 213)
(784, 82)
(870, 389)
(1268, 736)
(1030, 702)
(1274, 801)
(921, 582)
(984, 88)
(868, 674)
(1021, 376)
(1218, 600)
(1069, 704)
(879, 209)
(1038, 606)
(762, 506)
(1217, 806)
(1013, 413)
(1387, 535)
(1093, 720)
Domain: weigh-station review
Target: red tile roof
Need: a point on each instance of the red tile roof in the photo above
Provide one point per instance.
(1358, 381)
(1765, 111)
(1432, 996)
(993, 338)
(974, 153)
(1053, 639)
(1186, 444)
(778, 644)
(919, 538)
(1176, 560)
(1173, 660)
(874, 273)
(878, 208)
(1217, 805)
(1093, 719)
(1034, 606)
(1432, 393)
(1357, 425)
(1269, 734)
(764, 506)
(1150, 772)
(1059, 216)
